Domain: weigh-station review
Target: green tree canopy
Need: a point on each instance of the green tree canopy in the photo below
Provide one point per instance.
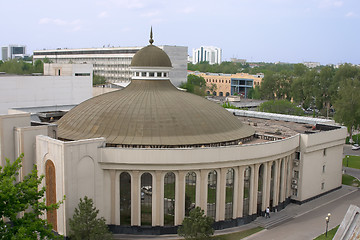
(196, 226)
(85, 225)
(281, 106)
(20, 67)
(22, 205)
(195, 84)
(347, 105)
(98, 80)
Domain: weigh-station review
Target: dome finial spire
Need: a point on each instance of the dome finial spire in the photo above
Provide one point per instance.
(151, 37)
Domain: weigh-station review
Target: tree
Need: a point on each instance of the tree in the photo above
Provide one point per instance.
(98, 80)
(195, 84)
(196, 226)
(85, 224)
(280, 106)
(22, 205)
(347, 106)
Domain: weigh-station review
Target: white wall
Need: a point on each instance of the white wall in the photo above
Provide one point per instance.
(34, 91)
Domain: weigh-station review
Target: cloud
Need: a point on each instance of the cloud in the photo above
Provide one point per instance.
(330, 3)
(103, 14)
(350, 14)
(72, 25)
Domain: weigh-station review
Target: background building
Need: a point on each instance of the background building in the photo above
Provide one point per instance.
(64, 84)
(13, 51)
(113, 63)
(210, 54)
(221, 84)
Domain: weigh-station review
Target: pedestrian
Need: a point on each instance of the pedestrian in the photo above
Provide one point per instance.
(267, 213)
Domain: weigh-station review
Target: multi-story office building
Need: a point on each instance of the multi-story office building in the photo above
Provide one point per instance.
(207, 54)
(221, 84)
(13, 51)
(113, 63)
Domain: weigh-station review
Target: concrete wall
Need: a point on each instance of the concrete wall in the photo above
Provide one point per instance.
(7, 135)
(78, 174)
(178, 56)
(33, 91)
(320, 150)
(52, 69)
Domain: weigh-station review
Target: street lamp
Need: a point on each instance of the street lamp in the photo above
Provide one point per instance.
(327, 219)
(347, 160)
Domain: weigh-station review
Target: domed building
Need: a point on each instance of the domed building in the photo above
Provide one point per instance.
(150, 153)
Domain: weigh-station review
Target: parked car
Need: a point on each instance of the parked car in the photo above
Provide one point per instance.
(355, 147)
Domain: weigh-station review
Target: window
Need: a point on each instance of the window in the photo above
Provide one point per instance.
(158, 74)
(143, 74)
(137, 74)
(165, 75)
(322, 186)
(296, 174)
(323, 168)
(151, 74)
(297, 155)
(324, 152)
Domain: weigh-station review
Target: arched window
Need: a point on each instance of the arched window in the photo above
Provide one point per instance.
(229, 198)
(50, 182)
(272, 184)
(227, 94)
(190, 192)
(211, 199)
(281, 179)
(260, 188)
(125, 199)
(169, 198)
(246, 200)
(221, 94)
(146, 199)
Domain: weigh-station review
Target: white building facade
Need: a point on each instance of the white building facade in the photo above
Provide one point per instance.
(13, 52)
(210, 54)
(113, 63)
(67, 84)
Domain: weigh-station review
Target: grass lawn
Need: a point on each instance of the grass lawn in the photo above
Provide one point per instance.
(354, 161)
(330, 234)
(238, 235)
(350, 180)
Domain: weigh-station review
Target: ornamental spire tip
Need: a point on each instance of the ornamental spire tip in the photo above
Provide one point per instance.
(151, 37)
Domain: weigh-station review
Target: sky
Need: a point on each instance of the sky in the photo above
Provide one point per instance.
(294, 31)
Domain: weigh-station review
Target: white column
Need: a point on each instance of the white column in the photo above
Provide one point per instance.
(276, 184)
(289, 170)
(254, 188)
(158, 199)
(221, 192)
(239, 192)
(203, 189)
(180, 198)
(112, 200)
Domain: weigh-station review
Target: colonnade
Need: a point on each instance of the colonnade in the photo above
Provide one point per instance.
(275, 188)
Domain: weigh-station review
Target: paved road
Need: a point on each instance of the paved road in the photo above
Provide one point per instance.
(349, 151)
(353, 172)
(312, 223)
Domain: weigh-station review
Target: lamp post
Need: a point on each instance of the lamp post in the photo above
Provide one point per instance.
(327, 219)
(347, 160)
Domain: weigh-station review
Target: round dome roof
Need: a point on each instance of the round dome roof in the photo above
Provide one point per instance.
(151, 56)
(152, 113)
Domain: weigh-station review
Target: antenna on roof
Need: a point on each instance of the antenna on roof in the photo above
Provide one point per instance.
(151, 37)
